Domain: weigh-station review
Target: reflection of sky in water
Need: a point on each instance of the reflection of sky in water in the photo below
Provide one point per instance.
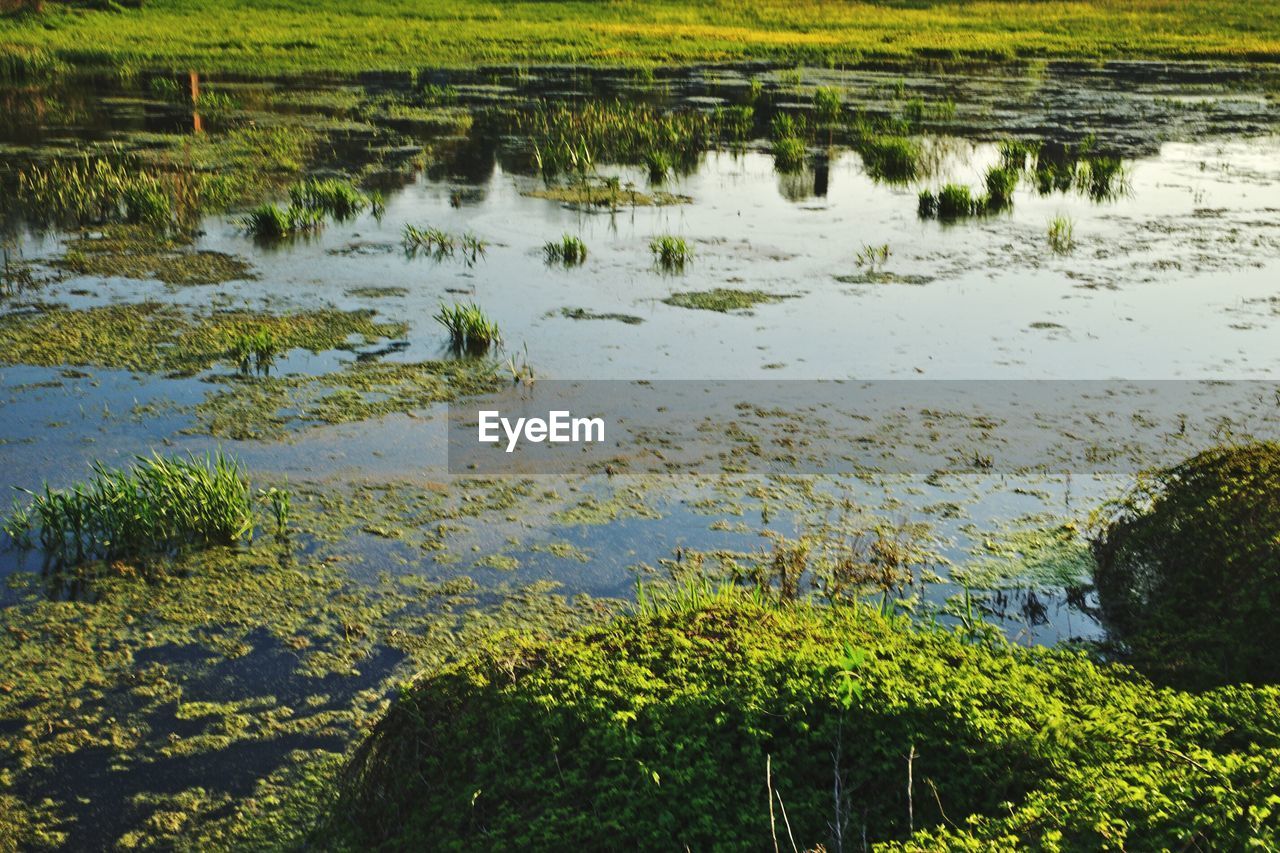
(1170, 281)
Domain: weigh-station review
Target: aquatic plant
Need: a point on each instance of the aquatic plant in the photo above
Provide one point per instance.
(470, 330)
(722, 299)
(268, 222)
(658, 164)
(1188, 564)
(1000, 181)
(671, 253)
(574, 138)
(1062, 235)
(786, 126)
(159, 506)
(826, 104)
(473, 248)
(568, 250)
(734, 123)
(873, 257)
(433, 241)
(331, 197)
(854, 722)
(889, 158)
(280, 504)
(953, 201)
(254, 350)
(788, 154)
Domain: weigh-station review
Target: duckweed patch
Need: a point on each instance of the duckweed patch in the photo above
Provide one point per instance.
(154, 338)
(722, 299)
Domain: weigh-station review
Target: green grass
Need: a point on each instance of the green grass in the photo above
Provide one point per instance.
(681, 725)
(569, 251)
(470, 330)
(1062, 237)
(331, 197)
(312, 35)
(671, 254)
(161, 505)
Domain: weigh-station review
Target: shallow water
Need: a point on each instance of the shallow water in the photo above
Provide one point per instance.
(1172, 278)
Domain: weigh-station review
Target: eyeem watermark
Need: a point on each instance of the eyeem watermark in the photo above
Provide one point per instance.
(558, 427)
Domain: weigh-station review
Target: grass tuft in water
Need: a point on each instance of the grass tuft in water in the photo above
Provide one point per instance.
(788, 154)
(1062, 235)
(670, 253)
(269, 222)
(254, 350)
(331, 197)
(894, 159)
(569, 251)
(160, 506)
(470, 330)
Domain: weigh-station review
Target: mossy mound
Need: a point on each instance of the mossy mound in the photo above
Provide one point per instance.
(1188, 569)
(654, 732)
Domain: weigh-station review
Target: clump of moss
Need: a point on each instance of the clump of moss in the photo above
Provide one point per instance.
(682, 724)
(1188, 568)
(157, 338)
(722, 299)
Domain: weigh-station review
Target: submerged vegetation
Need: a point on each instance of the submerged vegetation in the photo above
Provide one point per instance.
(159, 506)
(709, 714)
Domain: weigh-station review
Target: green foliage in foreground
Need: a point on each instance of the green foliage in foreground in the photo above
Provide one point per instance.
(658, 728)
(309, 35)
(1188, 568)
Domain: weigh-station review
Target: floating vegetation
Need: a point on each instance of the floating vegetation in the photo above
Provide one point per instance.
(137, 252)
(894, 159)
(269, 222)
(470, 330)
(568, 251)
(671, 254)
(606, 192)
(1062, 235)
(584, 314)
(722, 299)
(161, 505)
(159, 338)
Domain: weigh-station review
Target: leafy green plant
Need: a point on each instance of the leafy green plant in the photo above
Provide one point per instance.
(331, 197)
(671, 253)
(1188, 565)
(953, 201)
(568, 250)
(269, 223)
(914, 738)
(826, 104)
(1000, 181)
(470, 330)
(159, 506)
(890, 158)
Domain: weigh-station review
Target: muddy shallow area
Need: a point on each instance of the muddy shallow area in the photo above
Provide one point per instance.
(804, 266)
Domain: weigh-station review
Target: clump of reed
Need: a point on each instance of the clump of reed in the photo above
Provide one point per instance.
(956, 201)
(574, 138)
(671, 254)
(569, 251)
(734, 123)
(160, 506)
(1000, 181)
(826, 105)
(439, 244)
(1061, 168)
(269, 222)
(1062, 235)
(788, 154)
(254, 349)
(873, 257)
(331, 197)
(894, 159)
(470, 330)
(658, 164)
(86, 190)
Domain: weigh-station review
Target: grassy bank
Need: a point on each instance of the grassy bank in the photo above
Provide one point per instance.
(725, 722)
(313, 35)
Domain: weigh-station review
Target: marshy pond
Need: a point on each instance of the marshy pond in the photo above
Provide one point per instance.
(1113, 223)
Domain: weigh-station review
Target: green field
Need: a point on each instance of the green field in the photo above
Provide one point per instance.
(315, 35)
